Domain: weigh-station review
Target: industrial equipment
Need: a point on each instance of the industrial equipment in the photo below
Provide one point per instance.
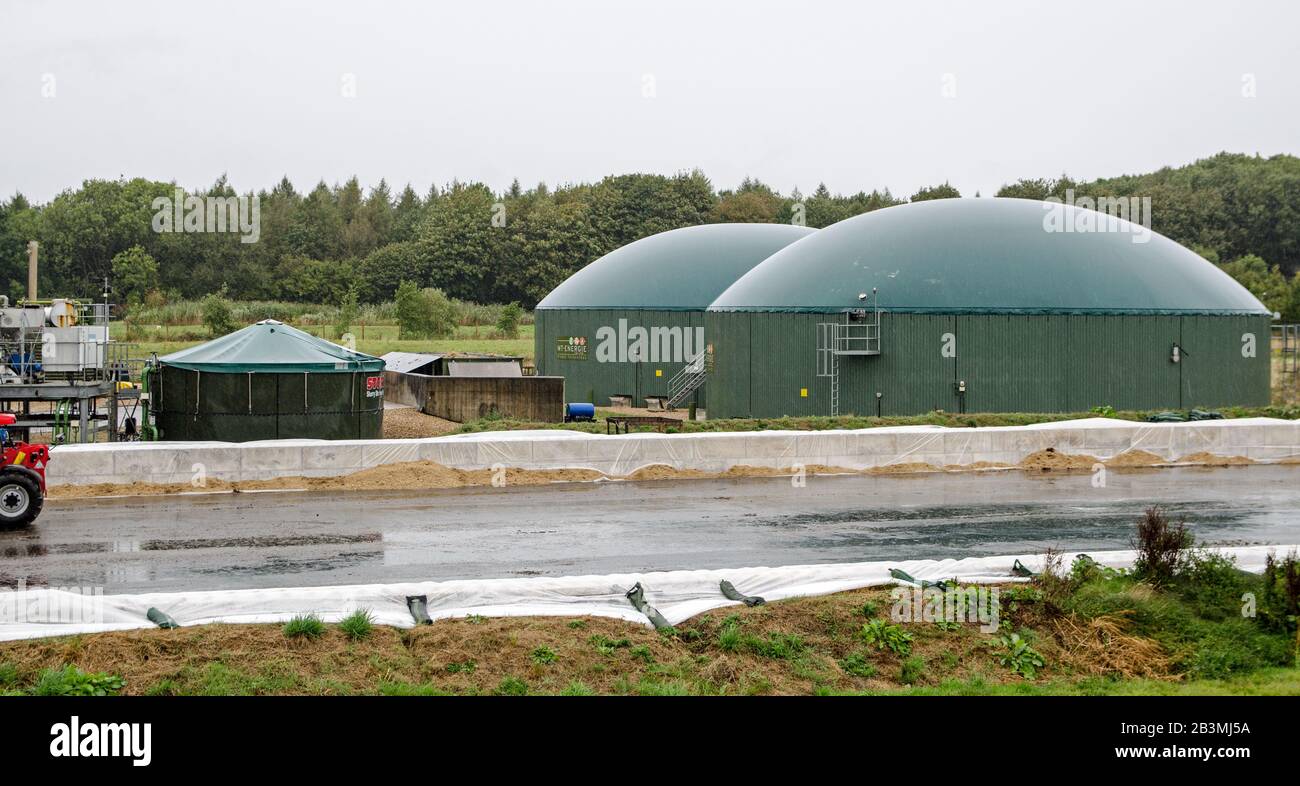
(22, 477)
(60, 370)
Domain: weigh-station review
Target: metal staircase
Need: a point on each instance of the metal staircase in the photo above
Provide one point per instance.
(689, 379)
(856, 334)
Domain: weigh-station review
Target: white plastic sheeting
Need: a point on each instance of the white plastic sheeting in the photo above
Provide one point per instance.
(678, 595)
(1259, 439)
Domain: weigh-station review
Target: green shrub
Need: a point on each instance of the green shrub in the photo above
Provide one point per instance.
(543, 656)
(461, 667)
(1160, 545)
(1279, 606)
(508, 321)
(307, 626)
(347, 312)
(72, 681)
(729, 637)
(511, 686)
(1151, 613)
(777, 646)
(577, 688)
(424, 313)
(1019, 657)
(606, 646)
(1235, 646)
(357, 625)
(1213, 584)
(216, 313)
(885, 636)
(857, 665)
(911, 670)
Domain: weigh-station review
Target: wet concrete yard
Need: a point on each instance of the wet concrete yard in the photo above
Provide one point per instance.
(227, 541)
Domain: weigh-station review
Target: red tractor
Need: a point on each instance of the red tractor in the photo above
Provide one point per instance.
(22, 477)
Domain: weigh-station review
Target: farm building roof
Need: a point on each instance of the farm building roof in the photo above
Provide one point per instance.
(989, 256)
(682, 269)
(271, 346)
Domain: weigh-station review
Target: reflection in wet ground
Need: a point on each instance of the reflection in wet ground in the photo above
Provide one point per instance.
(297, 539)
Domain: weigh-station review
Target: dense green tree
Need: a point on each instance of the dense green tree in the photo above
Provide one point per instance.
(822, 209)
(550, 244)
(384, 268)
(1040, 188)
(135, 273)
(942, 191)
(313, 280)
(752, 203)
(424, 313)
(82, 230)
(19, 224)
(406, 216)
(508, 322)
(1264, 281)
(624, 208)
(317, 230)
(464, 238)
(217, 314)
(517, 245)
(348, 310)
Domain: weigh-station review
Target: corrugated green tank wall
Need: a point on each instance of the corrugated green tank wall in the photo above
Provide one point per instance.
(595, 381)
(191, 405)
(765, 364)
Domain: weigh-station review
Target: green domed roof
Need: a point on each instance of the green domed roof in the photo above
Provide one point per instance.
(273, 347)
(988, 256)
(682, 269)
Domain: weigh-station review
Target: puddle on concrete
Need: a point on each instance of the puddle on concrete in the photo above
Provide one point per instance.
(260, 542)
(278, 565)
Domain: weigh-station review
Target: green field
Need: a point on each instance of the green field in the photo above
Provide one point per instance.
(371, 339)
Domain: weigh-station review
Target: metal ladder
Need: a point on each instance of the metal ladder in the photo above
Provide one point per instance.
(1290, 348)
(688, 380)
(857, 335)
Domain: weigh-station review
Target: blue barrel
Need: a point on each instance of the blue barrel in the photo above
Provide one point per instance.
(579, 411)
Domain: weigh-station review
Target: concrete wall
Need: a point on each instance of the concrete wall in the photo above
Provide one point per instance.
(539, 399)
(1260, 439)
(409, 389)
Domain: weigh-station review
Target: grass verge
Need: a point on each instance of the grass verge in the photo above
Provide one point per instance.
(1087, 631)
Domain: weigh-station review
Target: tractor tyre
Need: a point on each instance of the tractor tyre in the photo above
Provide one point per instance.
(20, 499)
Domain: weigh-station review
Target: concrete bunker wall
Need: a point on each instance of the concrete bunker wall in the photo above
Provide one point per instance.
(461, 399)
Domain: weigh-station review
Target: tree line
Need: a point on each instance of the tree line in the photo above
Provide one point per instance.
(338, 243)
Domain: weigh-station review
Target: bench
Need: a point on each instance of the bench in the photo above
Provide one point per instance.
(627, 421)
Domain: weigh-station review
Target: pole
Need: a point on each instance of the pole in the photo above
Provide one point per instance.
(32, 246)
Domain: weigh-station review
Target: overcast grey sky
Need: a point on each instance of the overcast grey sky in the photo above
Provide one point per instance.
(795, 93)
